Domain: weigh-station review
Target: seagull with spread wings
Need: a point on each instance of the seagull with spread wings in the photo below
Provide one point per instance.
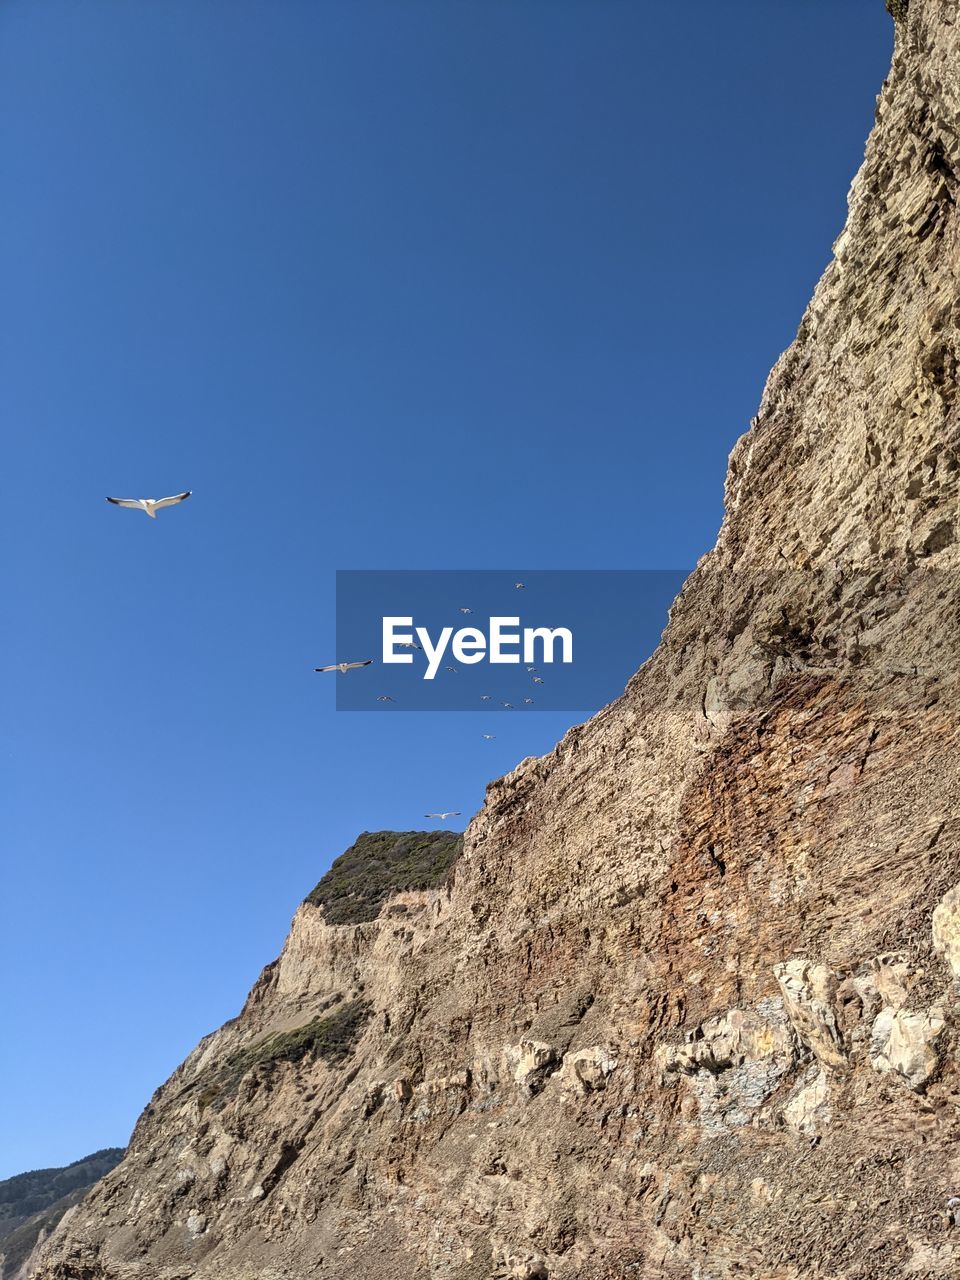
(442, 817)
(151, 505)
(344, 667)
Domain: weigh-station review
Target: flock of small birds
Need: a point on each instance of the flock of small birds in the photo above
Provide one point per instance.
(344, 667)
(150, 507)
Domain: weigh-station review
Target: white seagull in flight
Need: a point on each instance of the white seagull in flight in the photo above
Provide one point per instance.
(344, 667)
(442, 817)
(489, 737)
(151, 505)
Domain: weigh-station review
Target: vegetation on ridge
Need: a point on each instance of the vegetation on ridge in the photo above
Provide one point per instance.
(28, 1193)
(330, 1038)
(33, 1203)
(382, 863)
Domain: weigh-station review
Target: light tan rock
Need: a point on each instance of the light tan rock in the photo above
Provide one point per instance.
(893, 977)
(586, 1071)
(732, 1064)
(946, 929)
(808, 1109)
(530, 1062)
(905, 1043)
(196, 1222)
(809, 994)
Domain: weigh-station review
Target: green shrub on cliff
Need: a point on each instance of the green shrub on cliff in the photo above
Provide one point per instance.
(330, 1038)
(381, 863)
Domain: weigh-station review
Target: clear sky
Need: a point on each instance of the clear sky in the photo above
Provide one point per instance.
(388, 284)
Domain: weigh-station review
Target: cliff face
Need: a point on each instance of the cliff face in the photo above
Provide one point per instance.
(689, 1005)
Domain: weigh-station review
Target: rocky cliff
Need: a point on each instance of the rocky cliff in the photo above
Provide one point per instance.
(688, 1006)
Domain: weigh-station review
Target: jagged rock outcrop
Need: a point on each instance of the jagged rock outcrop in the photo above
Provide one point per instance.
(688, 1006)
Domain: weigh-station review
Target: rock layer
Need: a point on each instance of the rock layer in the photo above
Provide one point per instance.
(688, 1006)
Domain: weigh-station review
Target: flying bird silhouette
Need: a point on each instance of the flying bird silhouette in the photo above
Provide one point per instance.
(489, 736)
(442, 817)
(344, 667)
(519, 586)
(537, 680)
(151, 505)
(385, 697)
(465, 610)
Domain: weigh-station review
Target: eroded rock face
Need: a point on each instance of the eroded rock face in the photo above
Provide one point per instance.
(905, 1043)
(946, 929)
(589, 1069)
(809, 995)
(677, 1013)
(731, 1066)
(808, 1110)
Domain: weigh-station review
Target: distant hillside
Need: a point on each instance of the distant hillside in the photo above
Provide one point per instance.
(379, 864)
(33, 1203)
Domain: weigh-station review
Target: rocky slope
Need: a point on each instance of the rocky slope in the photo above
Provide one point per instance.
(31, 1204)
(688, 1006)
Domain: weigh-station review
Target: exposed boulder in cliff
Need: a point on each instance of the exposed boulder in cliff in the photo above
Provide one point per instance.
(688, 1004)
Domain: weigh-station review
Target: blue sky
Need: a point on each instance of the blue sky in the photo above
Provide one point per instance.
(388, 284)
